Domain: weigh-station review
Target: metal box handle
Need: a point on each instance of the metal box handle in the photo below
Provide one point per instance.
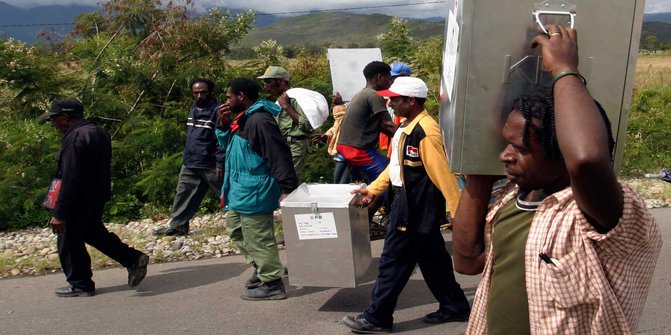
(554, 7)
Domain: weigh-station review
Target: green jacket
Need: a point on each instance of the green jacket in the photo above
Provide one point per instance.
(258, 161)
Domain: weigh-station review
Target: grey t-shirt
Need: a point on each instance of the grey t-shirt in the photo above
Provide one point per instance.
(360, 126)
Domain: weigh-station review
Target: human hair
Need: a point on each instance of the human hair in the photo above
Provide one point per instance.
(538, 103)
(611, 141)
(374, 68)
(209, 83)
(247, 86)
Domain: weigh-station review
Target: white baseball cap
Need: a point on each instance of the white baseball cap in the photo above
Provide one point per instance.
(407, 87)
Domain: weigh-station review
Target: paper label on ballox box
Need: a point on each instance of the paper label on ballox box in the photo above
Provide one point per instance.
(316, 226)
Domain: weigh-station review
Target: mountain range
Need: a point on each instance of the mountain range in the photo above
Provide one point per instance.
(338, 29)
(23, 22)
(334, 28)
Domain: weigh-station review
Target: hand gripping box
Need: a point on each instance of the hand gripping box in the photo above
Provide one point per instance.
(488, 62)
(326, 236)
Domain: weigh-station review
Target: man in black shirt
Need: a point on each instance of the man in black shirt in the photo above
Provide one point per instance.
(84, 170)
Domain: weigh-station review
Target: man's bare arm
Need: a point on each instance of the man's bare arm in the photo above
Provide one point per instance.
(387, 127)
(468, 228)
(581, 133)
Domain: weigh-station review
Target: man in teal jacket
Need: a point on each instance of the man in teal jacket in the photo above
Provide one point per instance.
(259, 174)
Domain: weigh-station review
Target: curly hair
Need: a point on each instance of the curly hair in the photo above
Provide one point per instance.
(374, 68)
(538, 103)
(248, 86)
(209, 83)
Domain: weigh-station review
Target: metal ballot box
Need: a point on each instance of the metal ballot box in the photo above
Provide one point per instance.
(326, 236)
(488, 62)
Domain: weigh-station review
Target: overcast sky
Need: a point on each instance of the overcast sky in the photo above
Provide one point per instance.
(428, 9)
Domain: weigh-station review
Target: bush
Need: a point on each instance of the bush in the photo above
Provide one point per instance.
(132, 77)
(27, 164)
(648, 142)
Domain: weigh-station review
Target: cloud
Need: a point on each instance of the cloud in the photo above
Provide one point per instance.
(431, 8)
(657, 6)
(36, 3)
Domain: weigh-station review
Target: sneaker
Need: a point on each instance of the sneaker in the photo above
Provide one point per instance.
(170, 231)
(272, 290)
(253, 281)
(359, 325)
(71, 291)
(138, 270)
(441, 316)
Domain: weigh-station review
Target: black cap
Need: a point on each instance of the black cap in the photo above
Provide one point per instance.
(65, 106)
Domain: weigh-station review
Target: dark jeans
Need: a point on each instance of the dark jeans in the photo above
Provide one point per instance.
(401, 252)
(86, 227)
(191, 189)
(343, 173)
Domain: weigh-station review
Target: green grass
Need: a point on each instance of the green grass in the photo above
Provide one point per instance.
(648, 144)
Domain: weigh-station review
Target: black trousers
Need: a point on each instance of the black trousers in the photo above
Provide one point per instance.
(401, 252)
(86, 227)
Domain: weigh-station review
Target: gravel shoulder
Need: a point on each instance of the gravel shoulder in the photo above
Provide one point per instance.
(32, 252)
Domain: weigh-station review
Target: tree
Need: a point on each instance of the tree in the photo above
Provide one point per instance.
(130, 65)
(138, 71)
(651, 42)
(29, 79)
(396, 42)
(268, 53)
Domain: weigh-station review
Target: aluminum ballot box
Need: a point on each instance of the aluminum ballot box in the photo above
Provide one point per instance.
(488, 62)
(326, 236)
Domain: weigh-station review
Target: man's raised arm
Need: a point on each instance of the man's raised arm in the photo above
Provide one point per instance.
(581, 132)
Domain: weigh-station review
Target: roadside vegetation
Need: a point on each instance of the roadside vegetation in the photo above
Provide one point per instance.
(648, 145)
(130, 65)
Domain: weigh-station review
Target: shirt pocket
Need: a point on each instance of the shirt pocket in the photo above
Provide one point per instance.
(568, 281)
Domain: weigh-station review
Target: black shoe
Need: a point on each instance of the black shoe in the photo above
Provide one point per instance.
(272, 290)
(377, 231)
(359, 325)
(138, 270)
(169, 231)
(441, 316)
(253, 281)
(71, 291)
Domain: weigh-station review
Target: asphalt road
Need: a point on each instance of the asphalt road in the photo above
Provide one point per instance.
(203, 297)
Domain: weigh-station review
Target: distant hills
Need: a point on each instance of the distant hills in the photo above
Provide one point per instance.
(661, 30)
(10, 15)
(333, 28)
(346, 29)
(659, 17)
(657, 24)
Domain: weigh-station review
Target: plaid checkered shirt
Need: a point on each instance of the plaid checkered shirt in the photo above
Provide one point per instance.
(598, 282)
